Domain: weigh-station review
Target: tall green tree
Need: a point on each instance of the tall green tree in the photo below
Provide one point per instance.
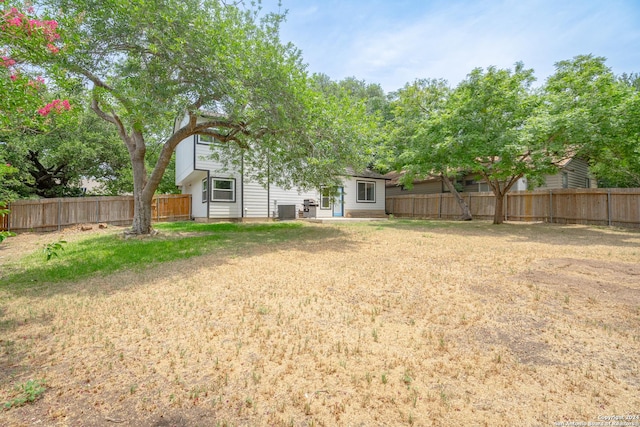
(219, 66)
(52, 162)
(418, 133)
(491, 132)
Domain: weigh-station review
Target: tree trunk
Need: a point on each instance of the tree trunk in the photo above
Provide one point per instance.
(142, 194)
(498, 215)
(141, 215)
(466, 212)
(500, 190)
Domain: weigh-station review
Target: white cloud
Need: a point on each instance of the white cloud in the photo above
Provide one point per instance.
(393, 43)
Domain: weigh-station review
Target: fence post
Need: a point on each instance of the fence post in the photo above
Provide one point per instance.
(506, 207)
(97, 211)
(609, 206)
(440, 207)
(550, 206)
(9, 218)
(413, 207)
(59, 212)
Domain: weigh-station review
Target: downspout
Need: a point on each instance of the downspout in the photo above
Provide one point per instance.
(209, 192)
(242, 185)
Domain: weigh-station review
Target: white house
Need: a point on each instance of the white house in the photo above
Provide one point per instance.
(222, 194)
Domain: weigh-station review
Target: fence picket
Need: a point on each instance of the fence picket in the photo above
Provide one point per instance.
(595, 206)
(54, 214)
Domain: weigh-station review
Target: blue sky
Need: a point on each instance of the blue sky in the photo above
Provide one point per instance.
(394, 42)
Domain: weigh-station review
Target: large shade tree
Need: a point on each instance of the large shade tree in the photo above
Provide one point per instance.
(53, 161)
(219, 66)
(418, 136)
(490, 133)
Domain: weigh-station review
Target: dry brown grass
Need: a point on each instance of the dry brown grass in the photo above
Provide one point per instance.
(396, 324)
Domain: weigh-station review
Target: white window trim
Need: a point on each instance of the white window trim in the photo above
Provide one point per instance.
(327, 198)
(232, 190)
(205, 190)
(358, 200)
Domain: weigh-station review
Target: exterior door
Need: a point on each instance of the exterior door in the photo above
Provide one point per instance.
(338, 203)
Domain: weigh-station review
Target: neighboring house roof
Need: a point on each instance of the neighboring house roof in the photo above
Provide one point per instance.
(367, 173)
(393, 179)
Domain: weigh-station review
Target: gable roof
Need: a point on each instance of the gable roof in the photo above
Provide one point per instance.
(367, 173)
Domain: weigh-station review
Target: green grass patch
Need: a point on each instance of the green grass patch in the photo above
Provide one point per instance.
(107, 254)
(27, 392)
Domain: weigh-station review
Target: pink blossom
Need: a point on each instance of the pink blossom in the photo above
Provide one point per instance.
(13, 77)
(53, 25)
(56, 105)
(7, 62)
(52, 48)
(16, 22)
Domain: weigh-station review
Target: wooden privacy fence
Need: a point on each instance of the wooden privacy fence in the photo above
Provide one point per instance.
(596, 206)
(55, 214)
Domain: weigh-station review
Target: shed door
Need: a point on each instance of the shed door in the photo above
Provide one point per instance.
(338, 204)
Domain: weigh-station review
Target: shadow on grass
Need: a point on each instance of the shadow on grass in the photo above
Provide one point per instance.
(105, 255)
(553, 234)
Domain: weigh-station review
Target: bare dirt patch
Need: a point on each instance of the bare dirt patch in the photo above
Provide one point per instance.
(374, 324)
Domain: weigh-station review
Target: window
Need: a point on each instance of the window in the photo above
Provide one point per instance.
(207, 139)
(223, 190)
(205, 190)
(366, 191)
(325, 198)
(587, 183)
(565, 180)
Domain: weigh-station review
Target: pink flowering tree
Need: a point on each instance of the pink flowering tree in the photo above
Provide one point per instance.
(24, 100)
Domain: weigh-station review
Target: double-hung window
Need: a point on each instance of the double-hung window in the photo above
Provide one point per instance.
(223, 190)
(205, 190)
(366, 192)
(325, 198)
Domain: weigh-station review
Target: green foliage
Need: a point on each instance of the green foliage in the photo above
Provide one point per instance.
(5, 234)
(417, 135)
(8, 179)
(220, 65)
(51, 249)
(615, 160)
(7, 173)
(495, 125)
(490, 132)
(27, 392)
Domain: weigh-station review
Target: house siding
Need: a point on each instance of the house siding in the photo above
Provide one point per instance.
(184, 160)
(252, 199)
(256, 202)
(226, 210)
(280, 196)
(429, 187)
(354, 208)
(577, 171)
